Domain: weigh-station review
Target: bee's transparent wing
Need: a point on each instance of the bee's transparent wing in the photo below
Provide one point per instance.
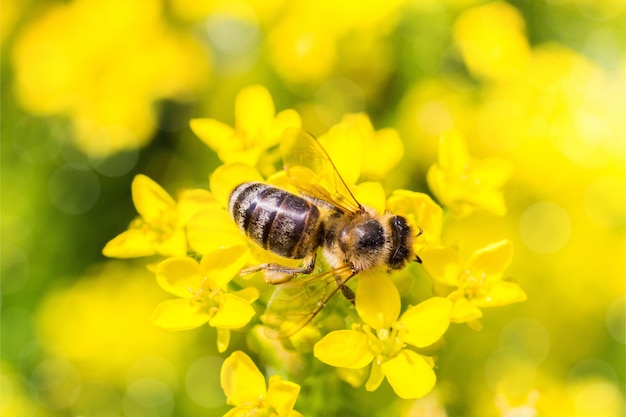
(295, 304)
(312, 171)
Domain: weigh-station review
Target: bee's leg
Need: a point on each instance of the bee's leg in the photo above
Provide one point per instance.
(345, 290)
(279, 274)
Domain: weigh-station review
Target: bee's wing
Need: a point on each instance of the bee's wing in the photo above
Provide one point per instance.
(311, 170)
(295, 304)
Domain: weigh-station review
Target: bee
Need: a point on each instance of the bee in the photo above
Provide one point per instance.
(324, 215)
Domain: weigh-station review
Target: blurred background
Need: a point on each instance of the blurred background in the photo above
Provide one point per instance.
(96, 91)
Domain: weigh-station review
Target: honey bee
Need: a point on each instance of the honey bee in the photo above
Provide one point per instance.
(353, 238)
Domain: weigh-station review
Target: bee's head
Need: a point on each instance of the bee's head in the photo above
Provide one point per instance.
(401, 241)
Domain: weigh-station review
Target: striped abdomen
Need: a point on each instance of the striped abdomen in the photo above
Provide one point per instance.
(275, 219)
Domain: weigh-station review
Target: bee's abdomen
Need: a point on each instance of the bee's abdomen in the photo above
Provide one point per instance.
(275, 219)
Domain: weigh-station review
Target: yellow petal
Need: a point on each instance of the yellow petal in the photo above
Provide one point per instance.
(132, 243)
(254, 110)
(344, 348)
(376, 376)
(371, 194)
(179, 276)
(228, 176)
(191, 202)
(426, 322)
(421, 212)
(344, 144)
(377, 300)
(217, 135)
(152, 202)
(237, 412)
(442, 264)
(438, 184)
(463, 310)
(223, 339)
(281, 395)
(409, 374)
(383, 151)
(241, 380)
(234, 312)
(359, 121)
(453, 155)
(248, 157)
(491, 260)
(490, 200)
(250, 294)
(501, 293)
(178, 314)
(212, 229)
(173, 244)
(221, 265)
(283, 120)
(493, 172)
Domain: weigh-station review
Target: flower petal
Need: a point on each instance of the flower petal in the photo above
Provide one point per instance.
(174, 244)
(421, 212)
(463, 310)
(217, 135)
(371, 194)
(376, 376)
(222, 264)
(152, 202)
(250, 294)
(377, 300)
(493, 172)
(191, 202)
(179, 276)
(344, 348)
(228, 176)
(234, 312)
(178, 314)
(453, 155)
(284, 120)
(133, 243)
(501, 293)
(383, 151)
(212, 229)
(241, 380)
(427, 321)
(442, 264)
(409, 374)
(344, 144)
(254, 111)
(281, 395)
(491, 260)
(223, 339)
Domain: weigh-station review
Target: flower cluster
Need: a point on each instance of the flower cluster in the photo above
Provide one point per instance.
(384, 332)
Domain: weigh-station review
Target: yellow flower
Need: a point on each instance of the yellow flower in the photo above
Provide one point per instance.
(202, 288)
(478, 282)
(245, 388)
(358, 150)
(257, 127)
(464, 184)
(159, 229)
(383, 339)
(105, 64)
